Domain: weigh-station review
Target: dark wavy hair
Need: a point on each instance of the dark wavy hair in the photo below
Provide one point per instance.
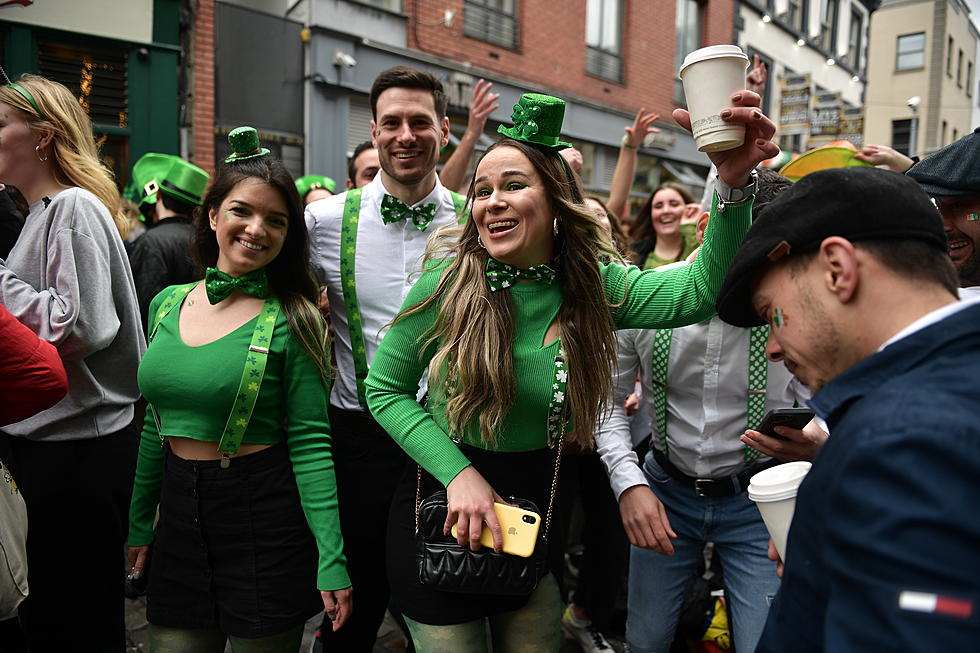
(288, 273)
(642, 227)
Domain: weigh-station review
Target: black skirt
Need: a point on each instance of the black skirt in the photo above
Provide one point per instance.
(233, 549)
(522, 474)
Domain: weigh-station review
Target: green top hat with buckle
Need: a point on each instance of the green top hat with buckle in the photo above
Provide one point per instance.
(185, 182)
(148, 172)
(311, 182)
(537, 119)
(244, 143)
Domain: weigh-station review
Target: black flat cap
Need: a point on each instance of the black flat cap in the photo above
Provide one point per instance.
(953, 170)
(854, 203)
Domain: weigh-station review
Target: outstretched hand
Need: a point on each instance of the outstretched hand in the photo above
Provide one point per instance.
(735, 165)
(482, 104)
(638, 131)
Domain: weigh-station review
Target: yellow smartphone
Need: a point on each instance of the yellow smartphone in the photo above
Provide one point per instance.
(520, 529)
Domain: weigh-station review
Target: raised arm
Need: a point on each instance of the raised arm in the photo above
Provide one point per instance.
(622, 181)
(482, 104)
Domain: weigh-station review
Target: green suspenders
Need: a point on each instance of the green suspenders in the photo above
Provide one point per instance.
(252, 375)
(758, 376)
(348, 284)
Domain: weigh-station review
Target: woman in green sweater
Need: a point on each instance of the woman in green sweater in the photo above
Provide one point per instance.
(235, 448)
(510, 307)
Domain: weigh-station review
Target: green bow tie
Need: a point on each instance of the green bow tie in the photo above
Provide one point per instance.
(393, 210)
(219, 285)
(501, 275)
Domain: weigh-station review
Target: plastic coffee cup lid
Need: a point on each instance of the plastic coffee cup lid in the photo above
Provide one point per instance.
(712, 52)
(779, 482)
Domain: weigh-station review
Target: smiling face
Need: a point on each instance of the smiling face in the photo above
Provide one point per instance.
(18, 160)
(408, 134)
(512, 210)
(250, 226)
(961, 219)
(666, 211)
(801, 335)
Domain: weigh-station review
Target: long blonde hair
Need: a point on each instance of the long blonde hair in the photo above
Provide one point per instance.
(472, 371)
(74, 156)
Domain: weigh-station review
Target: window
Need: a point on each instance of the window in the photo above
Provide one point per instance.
(688, 25)
(949, 57)
(493, 21)
(911, 51)
(854, 40)
(603, 39)
(959, 69)
(794, 14)
(828, 26)
(902, 136)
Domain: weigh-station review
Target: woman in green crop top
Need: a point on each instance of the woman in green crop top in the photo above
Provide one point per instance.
(513, 316)
(235, 449)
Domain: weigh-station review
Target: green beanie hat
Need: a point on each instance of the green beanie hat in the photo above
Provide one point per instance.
(537, 119)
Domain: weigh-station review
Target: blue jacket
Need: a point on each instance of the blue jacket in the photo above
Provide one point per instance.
(891, 505)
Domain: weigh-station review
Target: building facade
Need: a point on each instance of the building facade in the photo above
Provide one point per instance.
(606, 58)
(922, 69)
(121, 59)
(816, 55)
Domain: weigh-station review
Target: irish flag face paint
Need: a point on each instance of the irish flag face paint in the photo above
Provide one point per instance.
(778, 318)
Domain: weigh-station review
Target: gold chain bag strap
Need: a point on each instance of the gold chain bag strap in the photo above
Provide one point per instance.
(447, 566)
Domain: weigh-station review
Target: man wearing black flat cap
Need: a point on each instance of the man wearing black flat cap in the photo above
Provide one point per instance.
(952, 176)
(850, 269)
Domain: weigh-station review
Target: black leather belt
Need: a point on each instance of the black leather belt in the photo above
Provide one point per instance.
(727, 486)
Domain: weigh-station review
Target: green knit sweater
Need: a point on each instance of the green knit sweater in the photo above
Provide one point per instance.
(193, 390)
(673, 298)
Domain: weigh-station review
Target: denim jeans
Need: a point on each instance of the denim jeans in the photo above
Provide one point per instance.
(657, 582)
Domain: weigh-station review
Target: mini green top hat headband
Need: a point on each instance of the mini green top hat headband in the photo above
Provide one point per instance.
(537, 119)
(23, 91)
(244, 143)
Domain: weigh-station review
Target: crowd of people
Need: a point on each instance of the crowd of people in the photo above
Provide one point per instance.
(238, 394)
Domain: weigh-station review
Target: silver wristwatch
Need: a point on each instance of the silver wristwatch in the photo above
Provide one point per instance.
(732, 196)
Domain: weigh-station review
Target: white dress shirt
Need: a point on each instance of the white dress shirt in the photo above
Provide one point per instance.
(387, 262)
(707, 391)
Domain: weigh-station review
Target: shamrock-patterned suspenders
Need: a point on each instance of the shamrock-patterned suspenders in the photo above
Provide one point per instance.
(248, 389)
(758, 376)
(348, 283)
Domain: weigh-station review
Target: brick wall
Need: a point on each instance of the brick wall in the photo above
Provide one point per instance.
(201, 66)
(551, 47)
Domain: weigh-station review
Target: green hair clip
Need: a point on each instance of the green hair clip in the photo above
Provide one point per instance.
(244, 143)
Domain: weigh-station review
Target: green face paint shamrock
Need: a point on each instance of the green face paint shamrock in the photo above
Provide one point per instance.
(523, 118)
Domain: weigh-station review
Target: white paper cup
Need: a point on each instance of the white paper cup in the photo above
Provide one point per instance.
(774, 493)
(710, 76)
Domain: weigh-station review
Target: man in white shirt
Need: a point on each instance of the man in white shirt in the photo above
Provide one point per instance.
(366, 246)
(703, 385)
(850, 268)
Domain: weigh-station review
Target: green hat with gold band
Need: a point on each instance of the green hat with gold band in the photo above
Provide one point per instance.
(245, 144)
(307, 183)
(185, 182)
(148, 172)
(537, 119)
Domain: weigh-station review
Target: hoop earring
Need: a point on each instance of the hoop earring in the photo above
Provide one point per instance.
(554, 226)
(480, 242)
(40, 157)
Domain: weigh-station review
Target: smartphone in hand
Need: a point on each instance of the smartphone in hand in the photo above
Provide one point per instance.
(795, 418)
(520, 529)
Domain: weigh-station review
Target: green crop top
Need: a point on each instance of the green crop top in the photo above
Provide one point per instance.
(193, 389)
(672, 298)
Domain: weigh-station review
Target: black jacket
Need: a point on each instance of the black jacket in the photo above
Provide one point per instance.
(162, 257)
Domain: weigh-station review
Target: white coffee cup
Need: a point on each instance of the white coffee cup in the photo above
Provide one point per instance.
(710, 76)
(774, 493)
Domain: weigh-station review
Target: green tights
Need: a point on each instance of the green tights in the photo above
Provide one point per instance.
(535, 628)
(212, 640)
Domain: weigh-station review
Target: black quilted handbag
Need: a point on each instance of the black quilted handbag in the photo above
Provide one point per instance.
(447, 566)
